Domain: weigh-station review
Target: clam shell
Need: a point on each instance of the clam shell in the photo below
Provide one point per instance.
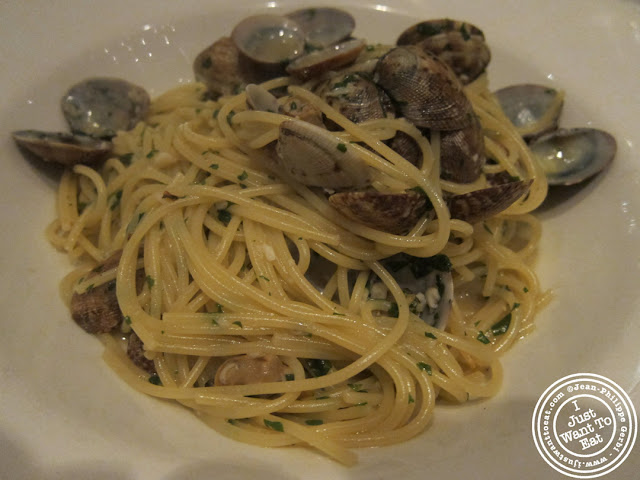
(533, 109)
(99, 107)
(389, 212)
(63, 148)
(315, 157)
(459, 44)
(330, 58)
(135, 351)
(574, 155)
(462, 153)
(425, 89)
(259, 98)
(269, 39)
(481, 204)
(407, 147)
(324, 26)
(225, 71)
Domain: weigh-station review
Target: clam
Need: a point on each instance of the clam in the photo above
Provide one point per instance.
(259, 98)
(460, 45)
(533, 109)
(63, 148)
(99, 107)
(135, 351)
(407, 147)
(569, 156)
(429, 283)
(269, 39)
(225, 71)
(315, 157)
(250, 369)
(462, 153)
(390, 212)
(425, 89)
(356, 97)
(330, 58)
(481, 204)
(324, 26)
(300, 109)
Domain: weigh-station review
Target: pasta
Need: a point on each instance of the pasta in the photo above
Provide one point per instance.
(226, 246)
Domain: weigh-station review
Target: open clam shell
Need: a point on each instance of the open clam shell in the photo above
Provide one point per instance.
(461, 45)
(533, 109)
(99, 107)
(573, 155)
(315, 157)
(425, 89)
(481, 204)
(324, 26)
(389, 212)
(225, 71)
(329, 58)
(269, 39)
(462, 153)
(63, 148)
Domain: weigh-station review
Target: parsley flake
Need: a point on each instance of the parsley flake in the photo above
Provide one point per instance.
(425, 366)
(277, 426)
(342, 147)
(314, 422)
(482, 338)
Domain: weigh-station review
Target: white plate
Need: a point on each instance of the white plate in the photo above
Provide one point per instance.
(65, 415)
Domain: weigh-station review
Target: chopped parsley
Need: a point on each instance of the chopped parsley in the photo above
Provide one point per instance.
(243, 175)
(502, 325)
(206, 63)
(152, 153)
(425, 366)
(224, 216)
(150, 281)
(127, 320)
(289, 377)
(155, 379)
(393, 310)
(356, 387)
(465, 34)
(525, 289)
(314, 422)
(317, 367)
(238, 323)
(277, 426)
(126, 158)
(114, 198)
(486, 227)
(214, 166)
(482, 338)
(430, 335)
(411, 400)
(342, 147)
(293, 105)
(428, 30)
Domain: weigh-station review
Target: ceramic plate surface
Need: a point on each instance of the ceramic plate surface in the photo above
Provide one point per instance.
(64, 414)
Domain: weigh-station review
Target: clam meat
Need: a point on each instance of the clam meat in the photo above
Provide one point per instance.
(460, 45)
